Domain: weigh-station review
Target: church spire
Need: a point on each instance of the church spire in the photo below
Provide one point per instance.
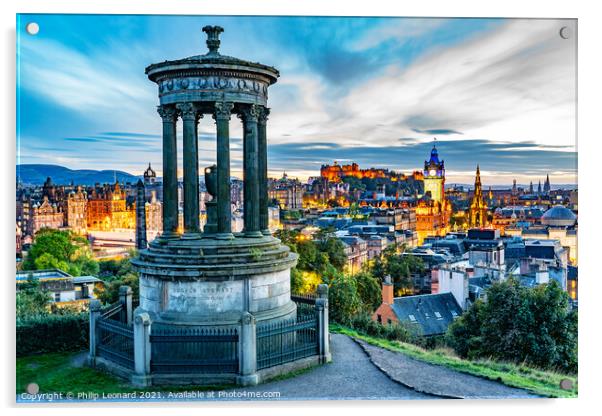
(478, 210)
(546, 185)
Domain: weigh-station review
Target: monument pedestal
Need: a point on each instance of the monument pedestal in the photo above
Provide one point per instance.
(211, 282)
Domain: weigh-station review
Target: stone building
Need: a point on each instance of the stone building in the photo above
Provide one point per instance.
(150, 176)
(154, 222)
(77, 203)
(45, 215)
(557, 223)
(108, 209)
(287, 192)
(430, 314)
(356, 251)
(433, 211)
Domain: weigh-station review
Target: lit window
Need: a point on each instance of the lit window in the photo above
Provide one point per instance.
(412, 318)
(438, 315)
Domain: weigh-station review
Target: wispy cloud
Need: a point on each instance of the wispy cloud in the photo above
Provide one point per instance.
(373, 90)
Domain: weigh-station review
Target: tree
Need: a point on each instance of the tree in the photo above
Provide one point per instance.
(110, 293)
(334, 249)
(519, 324)
(368, 290)
(343, 299)
(58, 249)
(31, 299)
(401, 267)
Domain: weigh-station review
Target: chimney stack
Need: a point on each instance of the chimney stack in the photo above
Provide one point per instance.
(387, 291)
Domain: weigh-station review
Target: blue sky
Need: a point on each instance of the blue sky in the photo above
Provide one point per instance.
(496, 92)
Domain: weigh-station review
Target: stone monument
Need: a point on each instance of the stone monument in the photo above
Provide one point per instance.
(213, 276)
(215, 306)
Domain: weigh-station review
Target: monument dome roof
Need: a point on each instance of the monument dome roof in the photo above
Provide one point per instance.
(559, 216)
(211, 60)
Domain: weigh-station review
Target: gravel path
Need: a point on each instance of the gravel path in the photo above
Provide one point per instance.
(436, 379)
(350, 376)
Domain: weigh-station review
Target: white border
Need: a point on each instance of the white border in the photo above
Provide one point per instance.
(589, 173)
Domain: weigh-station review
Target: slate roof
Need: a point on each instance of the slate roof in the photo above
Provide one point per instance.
(432, 313)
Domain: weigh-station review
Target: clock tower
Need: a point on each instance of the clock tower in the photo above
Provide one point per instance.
(434, 176)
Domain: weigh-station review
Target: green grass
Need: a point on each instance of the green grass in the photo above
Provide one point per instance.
(55, 373)
(544, 383)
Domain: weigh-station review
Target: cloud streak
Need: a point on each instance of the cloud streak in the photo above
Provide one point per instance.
(374, 90)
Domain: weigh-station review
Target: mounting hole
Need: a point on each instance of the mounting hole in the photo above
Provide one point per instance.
(32, 28)
(565, 32)
(32, 388)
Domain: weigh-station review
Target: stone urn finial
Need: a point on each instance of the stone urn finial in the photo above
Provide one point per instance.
(213, 38)
(211, 180)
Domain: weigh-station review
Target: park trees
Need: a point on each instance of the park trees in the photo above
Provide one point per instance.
(519, 324)
(64, 250)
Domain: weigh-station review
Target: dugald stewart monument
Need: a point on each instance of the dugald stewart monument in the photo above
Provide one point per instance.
(215, 306)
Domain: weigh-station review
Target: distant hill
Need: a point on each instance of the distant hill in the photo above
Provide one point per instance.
(60, 175)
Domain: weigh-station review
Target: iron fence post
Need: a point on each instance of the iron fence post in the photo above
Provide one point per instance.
(142, 350)
(248, 351)
(322, 315)
(125, 298)
(95, 310)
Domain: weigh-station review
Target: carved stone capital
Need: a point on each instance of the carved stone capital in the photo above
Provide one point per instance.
(223, 110)
(168, 113)
(189, 111)
(264, 113)
(249, 113)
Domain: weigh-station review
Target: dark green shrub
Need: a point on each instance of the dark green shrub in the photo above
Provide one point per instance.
(363, 322)
(534, 326)
(52, 333)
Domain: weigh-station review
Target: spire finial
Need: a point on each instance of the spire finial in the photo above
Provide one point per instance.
(213, 38)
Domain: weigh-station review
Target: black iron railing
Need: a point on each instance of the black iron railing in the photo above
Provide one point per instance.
(306, 298)
(112, 311)
(286, 341)
(194, 350)
(116, 341)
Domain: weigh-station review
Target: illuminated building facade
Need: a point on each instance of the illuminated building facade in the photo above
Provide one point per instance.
(434, 177)
(477, 214)
(153, 210)
(433, 210)
(77, 202)
(335, 172)
(108, 210)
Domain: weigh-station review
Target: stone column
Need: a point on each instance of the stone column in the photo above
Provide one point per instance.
(190, 155)
(125, 298)
(262, 151)
(169, 115)
(249, 116)
(141, 242)
(142, 350)
(224, 210)
(247, 351)
(95, 310)
(323, 331)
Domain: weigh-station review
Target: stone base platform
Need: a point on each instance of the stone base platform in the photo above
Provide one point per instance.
(208, 281)
(221, 379)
